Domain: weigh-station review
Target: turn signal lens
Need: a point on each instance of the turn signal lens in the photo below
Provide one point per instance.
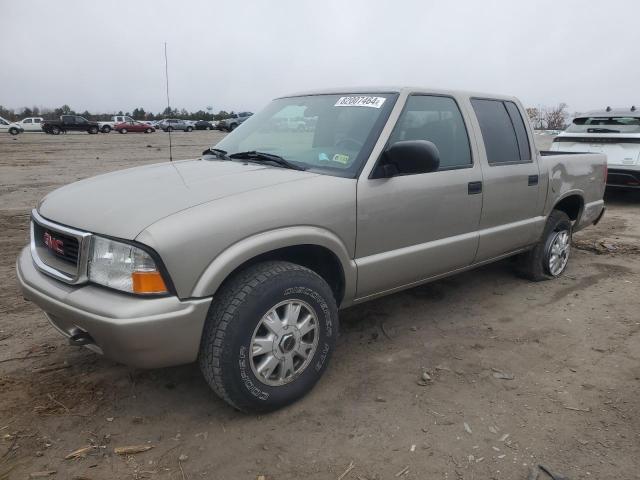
(148, 282)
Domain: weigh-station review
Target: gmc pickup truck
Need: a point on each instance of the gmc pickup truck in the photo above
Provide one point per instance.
(69, 123)
(242, 258)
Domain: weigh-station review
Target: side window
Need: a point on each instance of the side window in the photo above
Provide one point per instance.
(521, 131)
(27, 120)
(438, 120)
(499, 132)
(37, 120)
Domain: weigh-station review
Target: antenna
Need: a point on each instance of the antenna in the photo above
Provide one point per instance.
(166, 76)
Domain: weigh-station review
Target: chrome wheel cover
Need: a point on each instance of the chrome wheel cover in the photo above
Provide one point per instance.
(559, 250)
(284, 342)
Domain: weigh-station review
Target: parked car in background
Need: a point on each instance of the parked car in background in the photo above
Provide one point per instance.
(31, 124)
(241, 259)
(171, 124)
(616, 133)
(203, 125)
(69, 123)
(234, 121)
(10, 127)
(106, 127)
(133, 126)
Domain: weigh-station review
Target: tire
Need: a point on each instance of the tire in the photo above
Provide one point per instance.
(55, 130)
(238, 314)
(539, 263)
(169, 129)
(148, 130)
(209, 128)
(188, 129)
(14, 131)
(106, 129)
(123, 130)
(93, 130)
(233, 126)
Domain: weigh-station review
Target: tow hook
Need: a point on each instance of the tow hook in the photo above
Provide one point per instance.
(80, 338)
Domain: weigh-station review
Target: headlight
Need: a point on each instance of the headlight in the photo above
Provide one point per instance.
(124, 267)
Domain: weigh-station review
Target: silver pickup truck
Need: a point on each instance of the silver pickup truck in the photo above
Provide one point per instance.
(241, 259)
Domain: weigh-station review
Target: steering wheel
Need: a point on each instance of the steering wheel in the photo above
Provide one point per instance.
(349, 140)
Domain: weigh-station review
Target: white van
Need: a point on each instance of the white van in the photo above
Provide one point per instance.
(616, 133)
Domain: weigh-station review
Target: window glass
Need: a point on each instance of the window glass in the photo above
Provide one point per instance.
(438, 120)
(497, 130)
(36, 120)
(521, 131)
(27, 120)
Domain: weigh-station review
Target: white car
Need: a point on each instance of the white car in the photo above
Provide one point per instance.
(31, 124)
(616, 133)
(10, 127)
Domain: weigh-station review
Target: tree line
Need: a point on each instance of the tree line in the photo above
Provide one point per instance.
(138, 113)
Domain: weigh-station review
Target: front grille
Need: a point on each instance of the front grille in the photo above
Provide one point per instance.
(59, 251)
(69, 245)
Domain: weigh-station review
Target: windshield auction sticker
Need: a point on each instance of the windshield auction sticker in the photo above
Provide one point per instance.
(374, 102)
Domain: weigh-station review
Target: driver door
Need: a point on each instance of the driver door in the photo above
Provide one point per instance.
(415, 227)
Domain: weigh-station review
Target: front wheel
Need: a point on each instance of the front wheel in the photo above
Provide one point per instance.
(93, 130)
(188, 129)
(169, 129)
(123, 130)
(106, 129)
(268, 336)
(549, 258)
(148, 130)
(55, 130)
(14, 131)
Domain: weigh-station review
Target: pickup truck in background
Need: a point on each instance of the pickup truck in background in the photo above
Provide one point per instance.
(69, 123)
(233, 122)
(242, 258)
(106, 127)
(31, 124)
(616, 133)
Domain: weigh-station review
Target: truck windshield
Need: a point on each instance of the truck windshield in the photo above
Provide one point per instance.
(605, 125)
(329, 134)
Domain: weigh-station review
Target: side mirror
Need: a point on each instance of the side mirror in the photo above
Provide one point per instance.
(408, 157)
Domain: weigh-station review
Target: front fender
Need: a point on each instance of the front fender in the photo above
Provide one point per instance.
(244, 250)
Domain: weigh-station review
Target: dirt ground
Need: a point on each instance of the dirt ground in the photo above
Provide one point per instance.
(569, 349)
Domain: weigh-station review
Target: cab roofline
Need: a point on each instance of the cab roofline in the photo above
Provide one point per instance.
(398, 90)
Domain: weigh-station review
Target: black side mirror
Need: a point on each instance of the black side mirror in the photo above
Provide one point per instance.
(408, 157)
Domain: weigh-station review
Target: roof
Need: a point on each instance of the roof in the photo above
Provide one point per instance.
(396, 89)
(612, 112)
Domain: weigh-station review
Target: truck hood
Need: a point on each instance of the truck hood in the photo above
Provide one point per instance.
(123, 203)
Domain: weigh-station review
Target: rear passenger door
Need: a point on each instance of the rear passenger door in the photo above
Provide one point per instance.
(417, 226)
(511, 213)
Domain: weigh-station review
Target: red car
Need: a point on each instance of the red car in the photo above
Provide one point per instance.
(126, 127)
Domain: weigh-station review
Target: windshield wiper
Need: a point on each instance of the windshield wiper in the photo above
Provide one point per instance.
(259, 157)
(216, 152)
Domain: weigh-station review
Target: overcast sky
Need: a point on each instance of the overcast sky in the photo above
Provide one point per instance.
(108, 56)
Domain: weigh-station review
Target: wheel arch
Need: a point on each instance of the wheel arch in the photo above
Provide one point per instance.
(572, 204)
(311, 247)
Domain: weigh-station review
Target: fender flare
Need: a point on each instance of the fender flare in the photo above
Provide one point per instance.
(248, 248)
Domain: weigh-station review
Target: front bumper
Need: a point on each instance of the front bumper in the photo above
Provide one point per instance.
(141, 332)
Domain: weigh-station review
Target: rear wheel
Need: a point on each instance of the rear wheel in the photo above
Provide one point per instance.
(14, 131)
(106, 129)
(169, 129)
(550, 256)
(188, 129)
(55, 130)
(268, 336)
(148, 130)
(93, 130)
(233, 126)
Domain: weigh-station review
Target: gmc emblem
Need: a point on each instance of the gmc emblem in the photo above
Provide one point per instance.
(53, 243)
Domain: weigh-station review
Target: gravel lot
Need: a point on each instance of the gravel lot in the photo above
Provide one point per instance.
(572, 346)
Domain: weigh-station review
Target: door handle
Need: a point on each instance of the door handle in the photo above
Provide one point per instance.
(474, 188)
(533, 180)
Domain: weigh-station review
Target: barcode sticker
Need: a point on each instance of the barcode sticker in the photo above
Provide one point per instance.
(374, 102)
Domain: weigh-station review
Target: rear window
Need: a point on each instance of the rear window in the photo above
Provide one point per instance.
(605, 125)
(505, 137)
